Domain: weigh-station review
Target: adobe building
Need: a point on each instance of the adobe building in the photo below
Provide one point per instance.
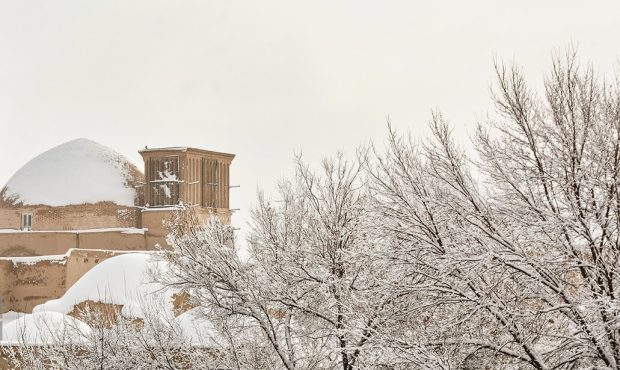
(81, 202)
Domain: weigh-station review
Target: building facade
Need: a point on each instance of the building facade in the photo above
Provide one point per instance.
(82, 235)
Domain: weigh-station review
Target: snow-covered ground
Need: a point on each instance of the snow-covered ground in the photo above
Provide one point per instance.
(79, 171)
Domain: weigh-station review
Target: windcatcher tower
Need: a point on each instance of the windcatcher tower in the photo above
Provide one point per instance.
(185, 176)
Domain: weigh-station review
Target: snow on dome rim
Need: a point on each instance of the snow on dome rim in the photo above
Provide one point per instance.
(80, 171)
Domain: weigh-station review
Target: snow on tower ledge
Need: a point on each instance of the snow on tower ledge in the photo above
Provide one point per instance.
(80, 171)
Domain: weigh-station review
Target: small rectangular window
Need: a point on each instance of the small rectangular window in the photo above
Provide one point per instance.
(27, 221)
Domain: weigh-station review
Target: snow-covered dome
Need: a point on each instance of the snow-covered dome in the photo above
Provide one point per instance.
(77, 172)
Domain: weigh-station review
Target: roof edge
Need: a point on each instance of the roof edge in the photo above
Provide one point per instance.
(187, 149)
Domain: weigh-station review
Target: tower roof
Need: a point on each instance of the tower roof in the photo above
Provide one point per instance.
(187, 149)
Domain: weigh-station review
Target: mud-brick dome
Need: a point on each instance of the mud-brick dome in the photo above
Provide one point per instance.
(80, 171)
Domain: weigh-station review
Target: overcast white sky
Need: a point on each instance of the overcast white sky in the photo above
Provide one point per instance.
(264, 79)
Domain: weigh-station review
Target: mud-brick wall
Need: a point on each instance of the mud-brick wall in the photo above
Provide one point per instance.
(25, 285)
(31, 283)
(73, 217)
(7, 281)
(45, 243)
(156, 222)
(10, 218)
(113, 240)
(17, 244)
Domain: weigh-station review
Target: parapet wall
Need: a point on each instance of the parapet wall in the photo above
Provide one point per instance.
(18, 243)
(44, 243)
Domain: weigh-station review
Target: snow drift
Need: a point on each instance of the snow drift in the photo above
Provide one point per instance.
(197, 329)
(44, 328)
(121, 280)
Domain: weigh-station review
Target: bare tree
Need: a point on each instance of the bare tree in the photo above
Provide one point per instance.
(314, 285)
(520, 261)
(115, 342)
